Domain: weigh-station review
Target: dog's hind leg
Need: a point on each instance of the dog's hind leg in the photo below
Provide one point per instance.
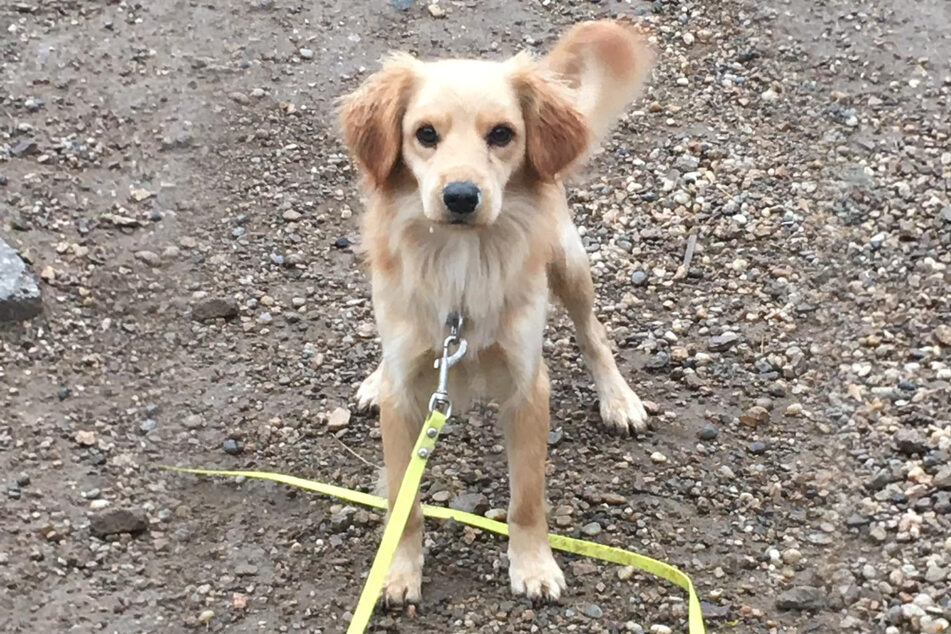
(570, 279)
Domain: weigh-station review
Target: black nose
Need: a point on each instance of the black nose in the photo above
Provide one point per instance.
(461, 197)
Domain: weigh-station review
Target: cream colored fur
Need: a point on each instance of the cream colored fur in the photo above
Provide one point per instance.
(496, 267)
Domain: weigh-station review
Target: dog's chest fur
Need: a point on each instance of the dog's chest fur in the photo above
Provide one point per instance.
(494, 276)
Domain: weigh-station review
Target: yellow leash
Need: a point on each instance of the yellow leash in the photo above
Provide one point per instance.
(396, 523)
(400, 513)
(409, 488)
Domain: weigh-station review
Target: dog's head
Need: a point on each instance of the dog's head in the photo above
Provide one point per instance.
(462, 130)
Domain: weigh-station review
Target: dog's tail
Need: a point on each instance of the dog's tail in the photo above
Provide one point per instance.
(605, 62)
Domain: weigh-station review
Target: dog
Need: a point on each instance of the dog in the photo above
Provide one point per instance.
(464, 164)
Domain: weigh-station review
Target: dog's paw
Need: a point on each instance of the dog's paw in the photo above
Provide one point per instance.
(622, 410)
(404, 581)
(537, 576)
(368, 394)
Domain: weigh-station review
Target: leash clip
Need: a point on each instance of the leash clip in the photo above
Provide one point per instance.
(440, 398)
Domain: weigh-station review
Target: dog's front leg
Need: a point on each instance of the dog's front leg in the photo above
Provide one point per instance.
(400, 421)
(532, 568)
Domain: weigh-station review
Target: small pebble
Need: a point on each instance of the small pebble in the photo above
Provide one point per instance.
(591, 529)
(708, 432)
(232, 446)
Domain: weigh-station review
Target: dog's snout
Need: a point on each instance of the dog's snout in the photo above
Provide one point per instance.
(461, 197)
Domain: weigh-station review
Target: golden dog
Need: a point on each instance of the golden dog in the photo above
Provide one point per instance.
(464, 161)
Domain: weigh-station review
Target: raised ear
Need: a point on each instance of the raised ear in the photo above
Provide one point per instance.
(556, 134)
(372, 117)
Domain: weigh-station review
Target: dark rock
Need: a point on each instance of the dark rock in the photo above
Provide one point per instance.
(714, 611)
(116, 521)
(659, 360)
(215, 308)
(25, 147)
(708, 432)
(342, 242)
(343, 520)
(942, 503)
(884, 477)
(232, 447)
(470, 503)
(802, 598)
(855, 520)
(19, 293)
(910, 441)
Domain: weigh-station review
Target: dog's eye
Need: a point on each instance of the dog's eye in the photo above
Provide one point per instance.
(427, 136)
(501, 135)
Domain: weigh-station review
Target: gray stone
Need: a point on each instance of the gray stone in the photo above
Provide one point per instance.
(470, 503)
(215, 308)
(232, 446)
(25, 147)
(802, 598)
(909, 441)
(708, 432)
(19, 293)
(942, 479)
(724, 341)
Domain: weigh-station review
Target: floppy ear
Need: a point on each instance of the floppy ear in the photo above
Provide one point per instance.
(556, 134)
(372, 117)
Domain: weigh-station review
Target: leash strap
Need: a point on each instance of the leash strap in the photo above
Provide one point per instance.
(397, 521)
(407, 494)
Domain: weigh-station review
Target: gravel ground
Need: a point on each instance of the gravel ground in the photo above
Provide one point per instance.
(172, 173)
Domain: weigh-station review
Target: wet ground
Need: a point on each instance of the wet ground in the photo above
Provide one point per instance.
(173, 174)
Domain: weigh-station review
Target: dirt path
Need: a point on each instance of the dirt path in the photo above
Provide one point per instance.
(185, 152)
